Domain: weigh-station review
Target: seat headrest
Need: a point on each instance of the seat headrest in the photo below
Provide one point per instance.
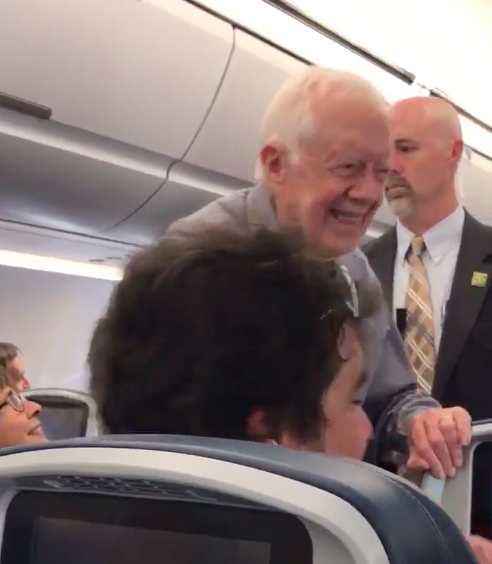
(410, 526)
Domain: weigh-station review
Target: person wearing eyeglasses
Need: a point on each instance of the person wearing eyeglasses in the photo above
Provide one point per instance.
(19, 422)
(322, 166)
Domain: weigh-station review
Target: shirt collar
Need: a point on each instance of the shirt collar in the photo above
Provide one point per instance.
(439, 239)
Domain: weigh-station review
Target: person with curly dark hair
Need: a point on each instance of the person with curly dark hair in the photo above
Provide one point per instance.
(219, 334)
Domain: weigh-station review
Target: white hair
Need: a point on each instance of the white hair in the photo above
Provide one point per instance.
(290, 118)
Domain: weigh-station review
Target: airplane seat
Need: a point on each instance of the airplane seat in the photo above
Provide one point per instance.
(129, 498)
(65, 414)
(471, 484)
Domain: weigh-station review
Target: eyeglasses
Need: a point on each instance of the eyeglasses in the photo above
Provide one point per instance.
(16, 402)
(352, 302)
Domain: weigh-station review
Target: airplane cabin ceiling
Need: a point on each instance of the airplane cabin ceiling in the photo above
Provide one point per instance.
(126, 104)
(126, 152)
(48, 243)
(441, 42)
(114, 75)
(222, 156)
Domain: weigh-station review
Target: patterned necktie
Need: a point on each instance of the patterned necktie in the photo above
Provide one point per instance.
(419, 337)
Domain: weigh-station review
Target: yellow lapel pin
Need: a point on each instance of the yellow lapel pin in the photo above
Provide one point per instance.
(479, 279)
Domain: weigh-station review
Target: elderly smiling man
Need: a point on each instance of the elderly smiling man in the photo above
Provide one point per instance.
(322, 165)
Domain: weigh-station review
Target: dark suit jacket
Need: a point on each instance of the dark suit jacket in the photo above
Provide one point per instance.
(464, 365)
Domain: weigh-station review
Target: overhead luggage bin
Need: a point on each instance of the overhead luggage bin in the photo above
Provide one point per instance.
(187, 189)
(228, 142)
(222, 157)
(143, 73)
(81, 183)
(126, 86)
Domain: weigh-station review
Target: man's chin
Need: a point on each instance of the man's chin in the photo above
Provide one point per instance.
(401, 207)
(338, 245)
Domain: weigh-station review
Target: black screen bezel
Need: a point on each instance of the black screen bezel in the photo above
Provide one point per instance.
(289, 540)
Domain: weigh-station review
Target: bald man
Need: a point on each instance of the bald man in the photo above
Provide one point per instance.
(434, 267)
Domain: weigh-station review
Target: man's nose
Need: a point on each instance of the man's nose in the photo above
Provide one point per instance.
(25, 384)
(395, 162)
(370, 187)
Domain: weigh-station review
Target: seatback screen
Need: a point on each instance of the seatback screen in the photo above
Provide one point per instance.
(52, 527)
(87, 543)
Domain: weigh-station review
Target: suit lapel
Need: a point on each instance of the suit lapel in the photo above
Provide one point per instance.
(465, 300)
(382, 260)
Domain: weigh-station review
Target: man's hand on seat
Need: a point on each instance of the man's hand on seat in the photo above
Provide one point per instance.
(436, 438)
(482, 549)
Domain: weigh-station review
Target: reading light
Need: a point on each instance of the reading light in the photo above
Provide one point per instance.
(303, 41)
(61, 266)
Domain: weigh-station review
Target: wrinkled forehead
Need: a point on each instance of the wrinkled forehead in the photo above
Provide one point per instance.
(351, 126)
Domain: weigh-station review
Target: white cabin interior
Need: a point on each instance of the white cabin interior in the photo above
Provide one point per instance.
(118, 117)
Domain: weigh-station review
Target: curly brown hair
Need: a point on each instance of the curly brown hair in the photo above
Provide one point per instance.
(208, 326)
